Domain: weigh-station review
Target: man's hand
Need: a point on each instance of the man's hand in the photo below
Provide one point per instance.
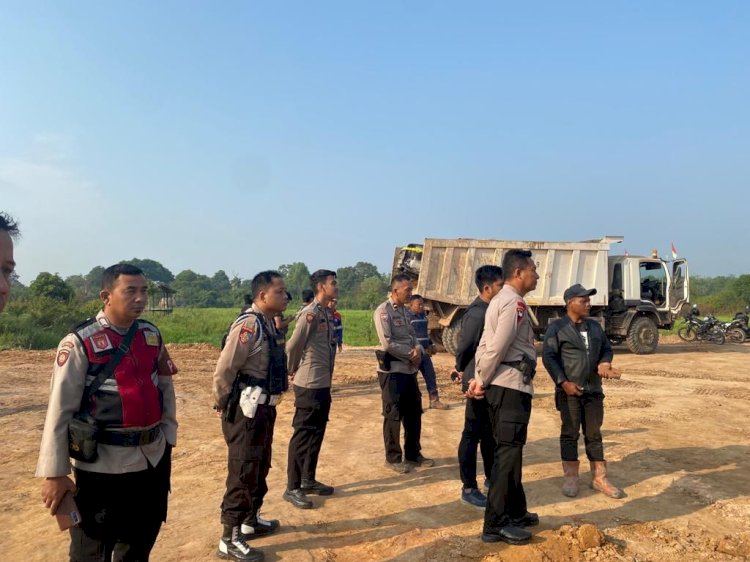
(607, 371)
(53, 490)
(291, 377)
(415, 356)
(341, 347)
(476, 391)
(456, 377)
(572, 389)
(431, 350)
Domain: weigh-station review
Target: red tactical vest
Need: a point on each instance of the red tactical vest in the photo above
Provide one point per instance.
(130, 397)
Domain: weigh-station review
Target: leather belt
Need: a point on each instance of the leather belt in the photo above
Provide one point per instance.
(514, 364)
(129, 438)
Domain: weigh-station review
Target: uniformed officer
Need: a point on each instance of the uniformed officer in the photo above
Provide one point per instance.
(311, 354)
(398, 362)
(122, 482)
(578, 355)
(505, 366)
(8, 231)
(249, 377)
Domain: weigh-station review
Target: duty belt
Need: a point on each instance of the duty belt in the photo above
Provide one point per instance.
(249, 380)
(129, 438)
(514, 364)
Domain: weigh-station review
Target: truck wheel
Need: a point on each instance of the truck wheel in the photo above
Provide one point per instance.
(450, 337)
(643, 336)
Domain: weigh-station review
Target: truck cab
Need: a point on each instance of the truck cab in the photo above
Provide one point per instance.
(646, 293)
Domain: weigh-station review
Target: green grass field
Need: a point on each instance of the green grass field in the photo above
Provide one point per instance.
(207, 325)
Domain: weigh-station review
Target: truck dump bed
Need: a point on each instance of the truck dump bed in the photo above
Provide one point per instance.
(448, 266)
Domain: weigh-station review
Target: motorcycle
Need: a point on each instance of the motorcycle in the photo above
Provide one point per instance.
(741, 320)
(734, 331)
(709, 330)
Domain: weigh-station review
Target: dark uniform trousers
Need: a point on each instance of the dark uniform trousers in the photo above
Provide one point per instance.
(312, 406)
(402, 403)
(586, 411)
(249, 444)
(121, 513)
(477, 433)
(510, 411)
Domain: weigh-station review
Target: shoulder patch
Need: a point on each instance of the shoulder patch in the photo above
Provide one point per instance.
(152, 338)
(246, 332)
(62, 357)
(309, 317)
(520, 309)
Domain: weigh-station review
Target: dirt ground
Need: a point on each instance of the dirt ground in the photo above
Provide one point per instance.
(677, 436)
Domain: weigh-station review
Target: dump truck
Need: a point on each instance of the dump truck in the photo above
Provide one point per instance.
(636, 295)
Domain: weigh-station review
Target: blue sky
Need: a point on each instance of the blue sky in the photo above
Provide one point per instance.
(243, 135)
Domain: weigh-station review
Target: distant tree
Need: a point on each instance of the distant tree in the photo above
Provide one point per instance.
(194, 289)
(153, 270)
(222, 287)
(51, 286)
(742, 288)
(297, 277)
(94, 279)
(371, 292)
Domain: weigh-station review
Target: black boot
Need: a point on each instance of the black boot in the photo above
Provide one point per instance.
(232, 546)
(254, 527)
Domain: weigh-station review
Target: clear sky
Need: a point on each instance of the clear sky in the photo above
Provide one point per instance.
(244, 135)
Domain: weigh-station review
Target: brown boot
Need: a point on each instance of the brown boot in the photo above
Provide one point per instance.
(436, 404)
(570, 478)
(599, 481)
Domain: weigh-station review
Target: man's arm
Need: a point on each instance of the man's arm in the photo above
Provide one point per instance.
(551, 357)
(305, 325)
(66, 391)
(502, 324)
(241, 340)
(166, 369)
(472, 325)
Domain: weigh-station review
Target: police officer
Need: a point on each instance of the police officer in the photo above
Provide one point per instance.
(249, 377)
(398, 362)
(8, 231)
(505, 364)
(578, 355)
(121, 483)
(477, 425)
(311, 354)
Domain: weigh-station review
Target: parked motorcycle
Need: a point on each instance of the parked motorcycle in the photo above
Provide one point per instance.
(742, 319)
(734, 331)
(709, 330)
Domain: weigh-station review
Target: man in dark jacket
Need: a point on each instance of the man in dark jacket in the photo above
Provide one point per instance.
(477, 424)
(577, 355)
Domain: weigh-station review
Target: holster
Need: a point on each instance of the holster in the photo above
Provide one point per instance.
(527, 366)
(384, 360)
(82, 439)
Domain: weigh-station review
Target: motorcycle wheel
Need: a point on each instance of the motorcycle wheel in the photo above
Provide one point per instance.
(736, 335)
(687, 333)
(716, 336)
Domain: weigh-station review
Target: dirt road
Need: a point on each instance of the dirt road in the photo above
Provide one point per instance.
(677, 436)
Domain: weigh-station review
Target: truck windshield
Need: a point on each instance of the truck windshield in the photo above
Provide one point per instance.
(653, 282)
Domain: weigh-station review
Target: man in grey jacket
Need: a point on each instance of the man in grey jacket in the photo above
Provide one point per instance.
(578, 355)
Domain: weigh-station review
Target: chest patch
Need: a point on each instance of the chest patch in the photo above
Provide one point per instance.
(152, 338)
(101, 342)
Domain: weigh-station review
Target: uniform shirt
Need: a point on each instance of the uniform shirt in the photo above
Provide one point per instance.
(246, 351)
(419, 323)
(66, 391)
(508, 335)
(396, 335)
(311, 351)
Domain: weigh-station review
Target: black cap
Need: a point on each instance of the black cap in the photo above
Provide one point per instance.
(577, 290)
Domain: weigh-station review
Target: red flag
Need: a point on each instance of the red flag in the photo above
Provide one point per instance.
(674, 252)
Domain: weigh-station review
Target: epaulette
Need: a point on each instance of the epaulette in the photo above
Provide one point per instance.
(87, 328)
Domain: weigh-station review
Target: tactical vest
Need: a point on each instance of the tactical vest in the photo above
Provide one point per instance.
(130, 397)
(277, 380)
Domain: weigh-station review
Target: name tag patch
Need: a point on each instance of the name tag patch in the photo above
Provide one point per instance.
(152, 338)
